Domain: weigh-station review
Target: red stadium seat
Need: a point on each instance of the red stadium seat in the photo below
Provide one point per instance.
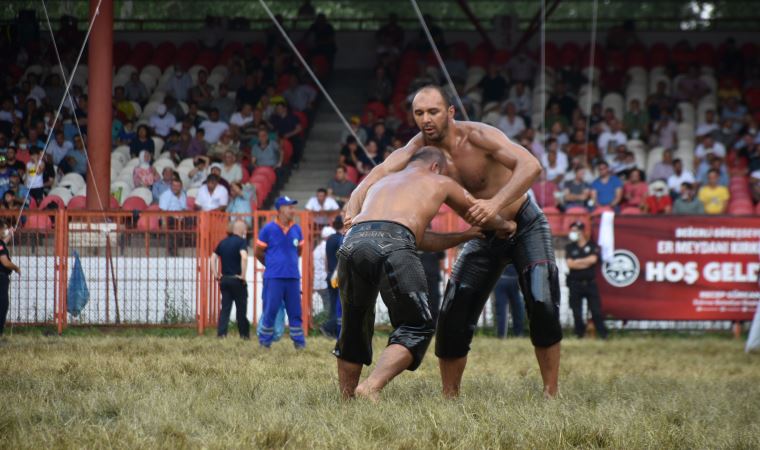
(569, 54)
(113, 203)
(480, 57)
(38, 222)
(752, 98)
(302, 119)
(749, 51)
(377, 108)
(705, 54)
(52, 199)
(134, 203)
(267, 172)
(637, 56)
(77, 203)
(287, 150)
(148, 222)
(320, 65)
(630, 211)
(459, 50)
(552, 55)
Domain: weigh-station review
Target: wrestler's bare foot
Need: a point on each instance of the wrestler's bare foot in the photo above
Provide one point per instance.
(451, 375)
(367, 392)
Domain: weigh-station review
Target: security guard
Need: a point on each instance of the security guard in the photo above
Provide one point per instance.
(233, 253)
(278, 247)
(582, 257)
(6, 268)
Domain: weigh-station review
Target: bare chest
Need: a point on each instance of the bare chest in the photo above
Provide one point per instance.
(472, 169)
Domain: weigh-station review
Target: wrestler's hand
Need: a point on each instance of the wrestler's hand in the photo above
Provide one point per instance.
(508, 230)
(482, 211)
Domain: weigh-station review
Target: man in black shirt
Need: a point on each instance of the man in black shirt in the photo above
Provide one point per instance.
(6, 267)
(582, 257)
(494, 85)
(332, 327)
(233, 253)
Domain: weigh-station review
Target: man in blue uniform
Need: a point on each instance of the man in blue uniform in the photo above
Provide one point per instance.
(278, 247)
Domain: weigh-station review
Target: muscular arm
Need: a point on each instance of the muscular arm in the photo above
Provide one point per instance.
(395, 162)
(524, 166)
(437, 242)
(259, 253)
(460, 201)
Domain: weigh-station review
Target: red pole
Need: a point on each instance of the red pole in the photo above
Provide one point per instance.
(100, 63)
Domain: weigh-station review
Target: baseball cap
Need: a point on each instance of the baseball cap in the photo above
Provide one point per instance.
(355, 120)
(216, 165)
(284, 200)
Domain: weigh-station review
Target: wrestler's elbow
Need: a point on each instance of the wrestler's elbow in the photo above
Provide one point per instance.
(531, 168)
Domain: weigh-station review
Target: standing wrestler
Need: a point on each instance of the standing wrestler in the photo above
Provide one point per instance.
(498, 173)
(380, 254)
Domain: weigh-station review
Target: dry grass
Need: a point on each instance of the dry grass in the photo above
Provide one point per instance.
(192, 392)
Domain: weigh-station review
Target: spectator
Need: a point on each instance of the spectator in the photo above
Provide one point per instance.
(663, 169)
(324, 38)
(381, 135)
(251, 91)
(529, 141)
(509, 122)
(278, 247)
(213, 127)
(679, 176)
(144, 175)
(380, 87)
(124, 107)
(658, 201)
(189, 112)
(162, 122)
(727, 135)
(712, 162)
(582, 258)
(34, 178)
(322, 207)
(557, 131)
(493, 85)
(610, 140)
(636, 122)
(223, 103)
(6, 268)
(666, 131)
(687, 202)
(180, 84)
(734, 110)
(13, 163)
(369, 159)
(174, 198)
(239, 206)
(5, 174)
(212, 196)
(544, 191)
(390, 37)
(35, 90)
(754, 183)
(567, 102)
(59, 147)
(360, 132)
(635, 190)
(18, 189)
(507, 292)
(202, 94)
(577, 192)
(713, 196)
(522, 100)
(216, 169)
(162, 185)
(232, 171)
(199, 172)
(300, 96)
(143, 142)
(349, 154)
(522, 69)
(127, 134)
(709, 126)
(580, 147)
(233, 254)
(334, 242)
(691, 88)
(76, 159)
(242, 122)
(623, 162)
(288, 126)
(554, 161)
(708, 146)
(260, 121)
(607, 190)
(554, 115)
(224, 145)
(320, 282)
(135, 90)
(266, 152)
(340, 187)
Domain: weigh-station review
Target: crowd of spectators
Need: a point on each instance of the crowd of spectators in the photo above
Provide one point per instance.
(200, 130)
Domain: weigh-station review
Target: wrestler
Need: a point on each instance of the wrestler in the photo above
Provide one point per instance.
(498, 173)
(380, 254)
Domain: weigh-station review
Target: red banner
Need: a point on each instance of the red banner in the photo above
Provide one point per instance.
(682, 268)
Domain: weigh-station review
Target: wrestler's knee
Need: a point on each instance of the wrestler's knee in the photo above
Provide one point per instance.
(454, 331)
(416, 329)
(540, 284)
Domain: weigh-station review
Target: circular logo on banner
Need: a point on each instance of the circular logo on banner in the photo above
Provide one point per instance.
(295, 242)
(622, 270)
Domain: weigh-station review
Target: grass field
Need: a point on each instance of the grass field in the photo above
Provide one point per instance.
(143, 391)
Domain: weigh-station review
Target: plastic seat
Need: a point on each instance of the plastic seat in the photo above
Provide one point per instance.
(134, 203)
(52, 199)
(38, 222)
(78, 202)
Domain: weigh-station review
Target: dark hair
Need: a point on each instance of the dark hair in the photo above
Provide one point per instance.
(429, 154)
(677, 161)
(213, 110)
(602, 162)
(439, 89)
(715, 171)
(322, 190)
(687, 185)
(337, 223)
(212, 177)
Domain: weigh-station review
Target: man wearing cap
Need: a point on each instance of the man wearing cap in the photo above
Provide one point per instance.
(360, 132)
(163, 121)
(278, 247)
(582, 257)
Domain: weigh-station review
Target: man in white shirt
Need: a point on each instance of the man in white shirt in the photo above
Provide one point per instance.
(59, 147)
(679, 177)
(708, 145)
(213, 127)
(243, 117)
(510, 123)
(521, 99)
(709, 126)
(321, 206)
(9, 113)
(554, 161)
(611, 139)
(299, 96)
(212, 196)
(162, 122)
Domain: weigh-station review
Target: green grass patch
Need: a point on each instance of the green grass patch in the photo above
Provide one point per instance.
(142, 390)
